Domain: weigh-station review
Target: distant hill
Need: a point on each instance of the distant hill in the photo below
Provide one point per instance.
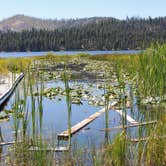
(21, 22)
(23, 33)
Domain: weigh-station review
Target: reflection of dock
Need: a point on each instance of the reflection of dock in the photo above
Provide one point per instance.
(128, 118)
(85, 122)
(7, 88)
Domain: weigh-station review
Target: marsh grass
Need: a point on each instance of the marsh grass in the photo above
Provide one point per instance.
(151, 82)
(146, 74)
(152, 71)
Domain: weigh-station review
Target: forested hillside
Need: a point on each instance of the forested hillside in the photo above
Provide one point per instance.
(95, 34)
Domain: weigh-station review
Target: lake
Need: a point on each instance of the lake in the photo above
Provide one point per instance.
(54, 116)
(87, 86)
(29, 54)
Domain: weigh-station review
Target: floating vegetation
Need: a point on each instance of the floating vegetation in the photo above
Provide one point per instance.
(4, 116)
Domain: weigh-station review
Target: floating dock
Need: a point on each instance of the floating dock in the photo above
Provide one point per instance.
(64, 135)
(85, 122)
(7, 88)
(36, 148)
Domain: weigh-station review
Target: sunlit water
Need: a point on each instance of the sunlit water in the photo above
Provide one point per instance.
(29, 54)
(54, 119)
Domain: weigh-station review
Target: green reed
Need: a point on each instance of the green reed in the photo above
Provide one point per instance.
(151, 82)
(152, 71)
(31, 87)
(68, 102)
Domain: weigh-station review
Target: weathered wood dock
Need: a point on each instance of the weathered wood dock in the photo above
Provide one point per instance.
(7, 89)
(7, 143)
(36, 148)
(85, 122)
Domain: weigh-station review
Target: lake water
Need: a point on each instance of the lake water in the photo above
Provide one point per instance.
(29, 54)
(54, 117)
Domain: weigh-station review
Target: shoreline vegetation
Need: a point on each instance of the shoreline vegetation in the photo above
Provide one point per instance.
(144, 73)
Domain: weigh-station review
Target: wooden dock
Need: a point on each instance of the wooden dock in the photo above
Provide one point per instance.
(8, 88)
(48, 149)
(85, 122)
(7, 143)
(36, 148)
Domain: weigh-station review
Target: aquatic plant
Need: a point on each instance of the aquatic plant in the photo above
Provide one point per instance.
(68, 103)
(152, 71)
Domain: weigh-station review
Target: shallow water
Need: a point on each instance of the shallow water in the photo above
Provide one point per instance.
(54, 118)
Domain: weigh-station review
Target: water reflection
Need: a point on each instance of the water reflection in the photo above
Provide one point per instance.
(42, 115)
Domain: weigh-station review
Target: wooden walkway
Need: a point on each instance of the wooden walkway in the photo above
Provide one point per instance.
(56, 149)
(7, 89)
(85, 122)
(36, 148)
(7, 143)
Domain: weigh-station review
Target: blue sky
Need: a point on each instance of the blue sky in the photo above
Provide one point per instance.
(82, 8)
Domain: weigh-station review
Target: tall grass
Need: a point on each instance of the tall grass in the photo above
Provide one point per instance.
(68, 103)
(152, 71)
(151, 82)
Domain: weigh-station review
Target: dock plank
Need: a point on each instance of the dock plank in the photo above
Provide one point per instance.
(8, 88)
(7, 143)
(56, 149)
(131, 125)
(85, 122)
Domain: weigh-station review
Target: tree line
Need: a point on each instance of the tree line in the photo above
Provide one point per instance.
(106, 34)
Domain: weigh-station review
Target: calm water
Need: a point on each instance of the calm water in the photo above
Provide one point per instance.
(29, 54)
(54, 118)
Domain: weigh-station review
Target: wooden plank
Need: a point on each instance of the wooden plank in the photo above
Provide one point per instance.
(127, 126)
(7, 143)
(135, 140)
(8, 89)
(128, 118)
(85, 122)
(56, 149)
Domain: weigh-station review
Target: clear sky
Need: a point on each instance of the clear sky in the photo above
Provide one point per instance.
(82, 8)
